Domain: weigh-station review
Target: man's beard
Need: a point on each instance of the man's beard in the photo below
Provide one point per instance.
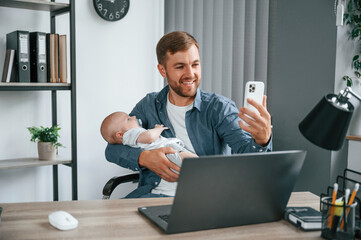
(180, 92)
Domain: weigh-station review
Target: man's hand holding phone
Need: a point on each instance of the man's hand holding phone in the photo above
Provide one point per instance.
(256, 118)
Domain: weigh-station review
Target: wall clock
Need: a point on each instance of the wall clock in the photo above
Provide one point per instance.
(111, 10)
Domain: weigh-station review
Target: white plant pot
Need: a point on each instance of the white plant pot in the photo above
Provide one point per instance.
(46, 151)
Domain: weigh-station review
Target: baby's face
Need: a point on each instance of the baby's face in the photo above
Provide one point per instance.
(127, 122)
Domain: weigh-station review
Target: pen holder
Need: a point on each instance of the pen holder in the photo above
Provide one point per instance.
(338, 221)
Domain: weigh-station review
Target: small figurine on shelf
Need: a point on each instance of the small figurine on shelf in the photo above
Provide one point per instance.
(47, 139)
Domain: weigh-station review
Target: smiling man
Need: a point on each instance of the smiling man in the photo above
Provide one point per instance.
(207, 123)
(182, 69)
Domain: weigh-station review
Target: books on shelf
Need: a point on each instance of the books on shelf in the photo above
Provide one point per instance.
(62, 59)
(8, 65)
(305, 218)
(46, 54)
(50, 57)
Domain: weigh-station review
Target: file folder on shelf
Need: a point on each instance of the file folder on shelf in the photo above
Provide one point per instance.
(52, 57)
(62, 59)
(19, 40)
(38, 65)
(8, 65)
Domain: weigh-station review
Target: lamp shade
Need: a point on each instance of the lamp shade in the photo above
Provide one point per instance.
(326, 125)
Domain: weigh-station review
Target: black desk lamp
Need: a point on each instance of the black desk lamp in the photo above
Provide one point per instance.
(326, 125)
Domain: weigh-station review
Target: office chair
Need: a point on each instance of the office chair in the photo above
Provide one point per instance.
(115, 181)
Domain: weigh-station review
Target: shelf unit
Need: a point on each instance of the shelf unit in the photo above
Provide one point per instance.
(354, 137)
(54, 9)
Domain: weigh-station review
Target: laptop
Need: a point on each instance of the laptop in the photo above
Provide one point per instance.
(225, 191)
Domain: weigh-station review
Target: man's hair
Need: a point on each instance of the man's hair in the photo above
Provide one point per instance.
(174, 42)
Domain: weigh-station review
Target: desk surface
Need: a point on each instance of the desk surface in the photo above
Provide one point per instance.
(119, 219)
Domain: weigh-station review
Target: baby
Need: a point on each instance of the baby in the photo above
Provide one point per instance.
(120, 128)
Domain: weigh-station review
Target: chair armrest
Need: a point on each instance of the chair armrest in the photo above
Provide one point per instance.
(115, 181)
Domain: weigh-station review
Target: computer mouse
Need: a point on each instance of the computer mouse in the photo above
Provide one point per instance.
(63, 220)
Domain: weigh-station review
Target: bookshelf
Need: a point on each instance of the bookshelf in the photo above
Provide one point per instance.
(34, 86)
(354, 137)
(39, 5)
(30, 162)
(55, 9)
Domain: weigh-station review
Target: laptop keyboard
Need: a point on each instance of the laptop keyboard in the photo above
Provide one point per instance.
(165, 218)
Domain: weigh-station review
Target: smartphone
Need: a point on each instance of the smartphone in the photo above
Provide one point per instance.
(255, 91)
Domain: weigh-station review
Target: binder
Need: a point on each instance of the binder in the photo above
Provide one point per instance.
(52, 57)
(19, 40)
(8, 65)
(62, 59)
(38, 66)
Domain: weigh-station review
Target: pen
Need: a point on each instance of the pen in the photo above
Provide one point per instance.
(334, 194)
(344, 219)
(347, 194)
(350, 202)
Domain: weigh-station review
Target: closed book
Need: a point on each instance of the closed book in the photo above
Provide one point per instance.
(38, 64)
(306, 218)
(19, 40)
(56, 52)
(62, 59)
(52, 57)
(8, 65)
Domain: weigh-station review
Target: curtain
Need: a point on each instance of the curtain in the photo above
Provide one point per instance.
(233, 39)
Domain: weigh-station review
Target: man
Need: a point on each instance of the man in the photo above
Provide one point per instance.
(205, 122)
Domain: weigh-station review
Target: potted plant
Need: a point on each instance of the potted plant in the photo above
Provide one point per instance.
(47, 139)
(353, 18)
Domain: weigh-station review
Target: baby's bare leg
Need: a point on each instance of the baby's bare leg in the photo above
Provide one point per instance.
(187, 155)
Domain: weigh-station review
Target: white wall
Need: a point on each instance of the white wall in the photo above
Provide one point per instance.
(116, 67)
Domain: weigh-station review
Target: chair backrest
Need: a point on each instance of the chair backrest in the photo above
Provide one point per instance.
(115, 181)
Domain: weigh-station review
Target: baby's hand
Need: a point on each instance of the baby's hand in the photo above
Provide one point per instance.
(160, 126)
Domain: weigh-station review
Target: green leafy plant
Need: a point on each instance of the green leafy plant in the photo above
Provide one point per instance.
(45, 134)
(353, 18)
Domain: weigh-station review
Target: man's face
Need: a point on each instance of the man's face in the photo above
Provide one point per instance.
(183, 72)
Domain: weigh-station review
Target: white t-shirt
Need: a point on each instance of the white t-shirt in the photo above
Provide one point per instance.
(176, 116)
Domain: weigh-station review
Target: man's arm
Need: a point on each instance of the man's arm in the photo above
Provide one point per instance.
(228, 128)
(123, 156)
(260, 126)
(136, 158)
(156, 161)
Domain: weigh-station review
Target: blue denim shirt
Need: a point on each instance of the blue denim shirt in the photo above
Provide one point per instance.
(212, 126)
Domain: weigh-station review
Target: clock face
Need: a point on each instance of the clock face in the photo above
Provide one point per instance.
(111, 10)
